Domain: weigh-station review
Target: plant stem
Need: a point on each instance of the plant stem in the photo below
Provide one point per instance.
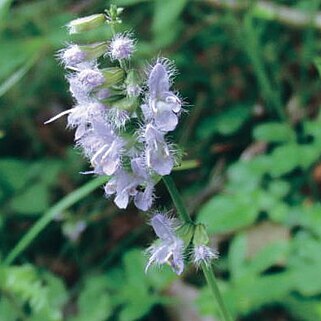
(207, 270)
(178, 202)
(211, 281)
(62, 205)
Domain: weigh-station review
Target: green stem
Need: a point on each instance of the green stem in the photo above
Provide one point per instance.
(211, 281)
(62, 205)
(208, 271)
(178, 202)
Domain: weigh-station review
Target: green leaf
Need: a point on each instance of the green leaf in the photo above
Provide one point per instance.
(94, 301)
(17, 76)
(226, 123)
(225, 213)
(166, 14)
(4, 9)
(13, 174)
(284, 159)
(7, 310)
(273, 132)
(268, 256)
(279, 188)
(34, 200)
(237, 256)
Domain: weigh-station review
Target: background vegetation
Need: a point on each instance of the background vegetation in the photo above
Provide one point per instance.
(248, 70)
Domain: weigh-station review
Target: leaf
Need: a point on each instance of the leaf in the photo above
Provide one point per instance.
(17, 76)
(227, 123)
(94, 301)
(137, 298)
(237, 256)
(7, 311)
(225, 213)
(284, 159)
(268, 256)
(4, 9)
(13, 174)
(166, 14)
(273, 132)
(129, 2)
(34, 200)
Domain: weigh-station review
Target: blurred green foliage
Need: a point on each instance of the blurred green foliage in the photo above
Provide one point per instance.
(253, 125)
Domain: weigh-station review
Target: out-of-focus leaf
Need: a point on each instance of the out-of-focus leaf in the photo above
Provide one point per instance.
(268, 256)
(33, 200)
(94, 301)
(4, 9)
(138, 300)
(7, 311)
(273, 132)
(225, 213)
(17, 76)
(305, 309)
(284, 159)
(237, 255)
(305, 264)
(27, 286)
(13, 174)
(166, 13)
(128, 2)
(226, 123)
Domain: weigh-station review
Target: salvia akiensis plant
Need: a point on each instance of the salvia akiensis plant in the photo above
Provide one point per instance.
(121, 118)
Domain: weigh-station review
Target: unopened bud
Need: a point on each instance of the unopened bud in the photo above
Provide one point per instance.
(113, 76)
(185, 232)
(86, 23)
(200, 235)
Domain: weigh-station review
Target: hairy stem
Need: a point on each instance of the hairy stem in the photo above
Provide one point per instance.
(41, 224)
(207, 270)
(178, 202)
(211, 281)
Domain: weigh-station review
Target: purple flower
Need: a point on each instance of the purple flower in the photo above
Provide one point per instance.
(144, 200)
(169, 248)
(124, 185)
(90, 78)
(203, 254)
(72, 56)
(158, 155)
(121, 47)
(163, 105)
(103, 147)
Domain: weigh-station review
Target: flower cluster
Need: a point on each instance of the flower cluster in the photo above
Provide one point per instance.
(120, 128)
(121, 121)
(173, 241)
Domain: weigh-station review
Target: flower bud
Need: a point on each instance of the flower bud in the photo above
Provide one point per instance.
(132, 84)
(94, 51)
(127, 103)
(200, 235)
(113, 76)
(121, 47)
(185, 232)
(86, 23)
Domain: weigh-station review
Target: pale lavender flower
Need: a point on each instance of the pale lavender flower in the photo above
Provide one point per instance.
(124, 185)
(133, 90)
(103, 147)
(144, 199)
(73, 230)
(72, 56)
(121, 47)
(169, 248)
(158, 155)
(204, 254)
(163, 105)
(117, 116)
(90, 78)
